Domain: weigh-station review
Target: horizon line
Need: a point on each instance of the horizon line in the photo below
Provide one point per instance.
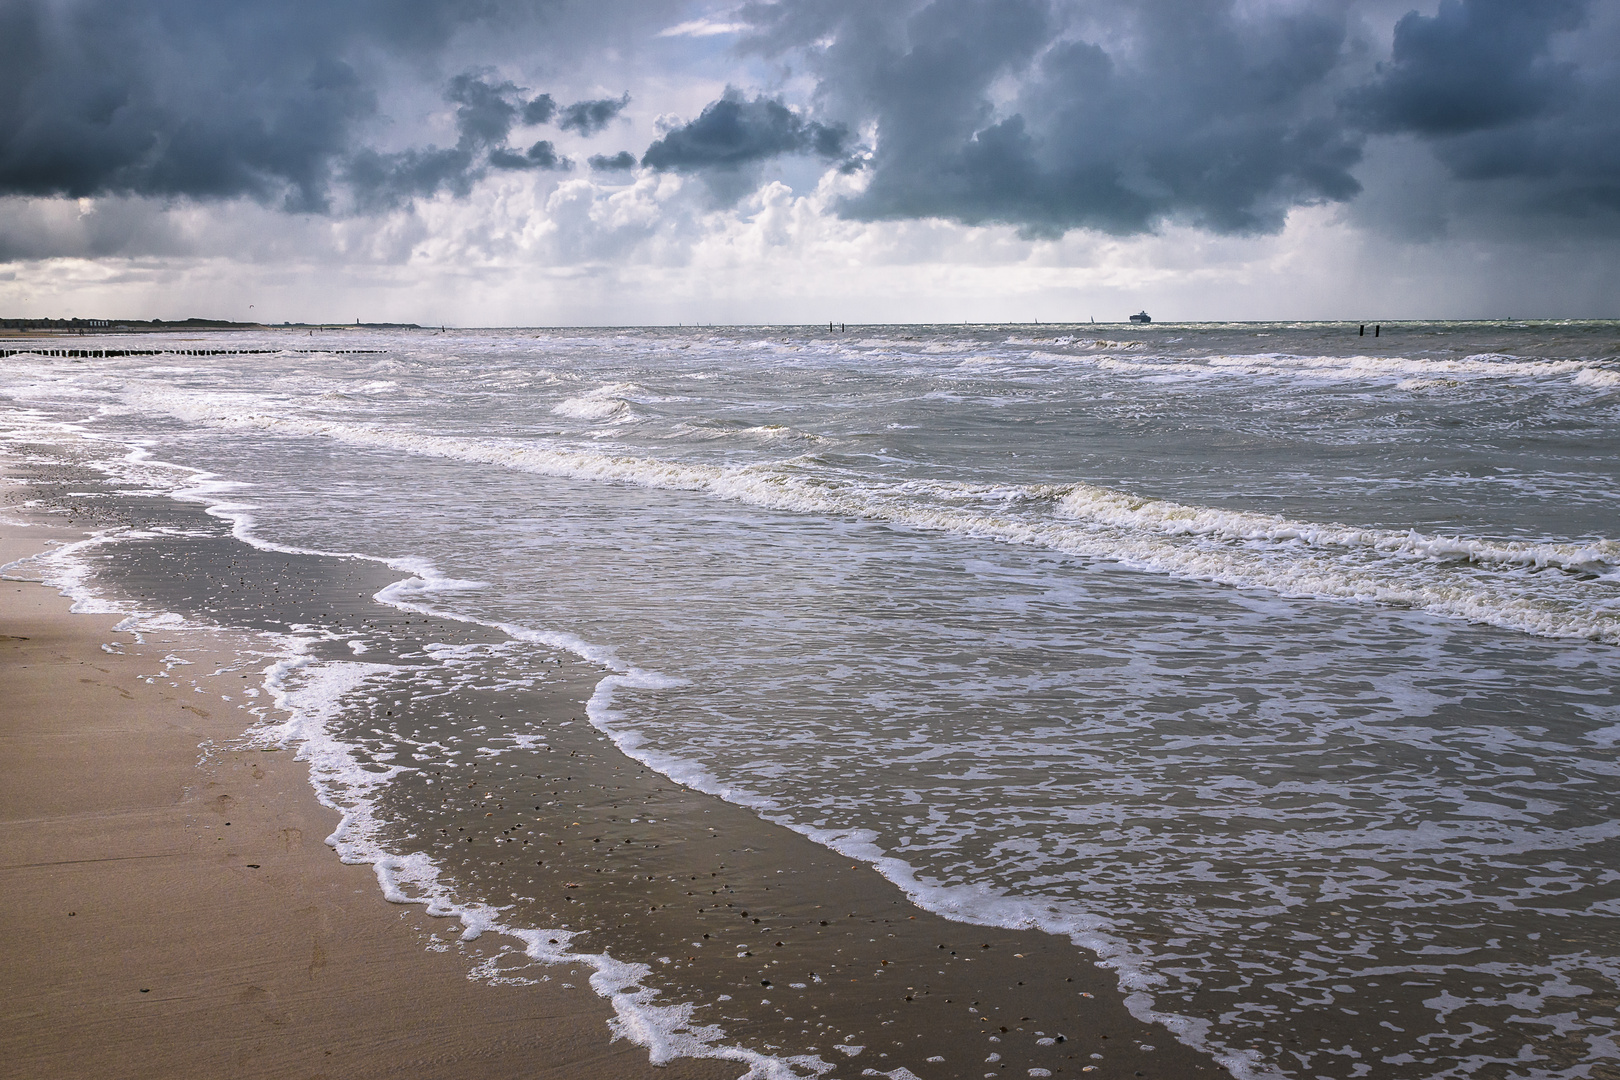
(10, 323)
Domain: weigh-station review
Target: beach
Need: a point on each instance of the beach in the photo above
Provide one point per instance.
(181, 913)
(193, 922)
(918, 702)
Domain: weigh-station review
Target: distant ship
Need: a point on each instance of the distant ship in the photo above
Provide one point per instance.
(1141, 316)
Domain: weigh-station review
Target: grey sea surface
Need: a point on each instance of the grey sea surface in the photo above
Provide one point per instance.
(1273, 666)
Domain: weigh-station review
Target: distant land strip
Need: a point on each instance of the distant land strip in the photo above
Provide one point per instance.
(124, 326)
(96, 354)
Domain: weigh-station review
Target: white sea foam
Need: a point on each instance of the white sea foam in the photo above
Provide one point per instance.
(591, 407)
(1292, 558)
(1168, 518)
(311, 696)
(1414, 373)
(1408, 373)
(758, 433)
(1384, 367)
(1599, 377)
(610, 402)
(976, 903)
(1077, 343)
(1427, 384)
(1506, 582)
(64, 569)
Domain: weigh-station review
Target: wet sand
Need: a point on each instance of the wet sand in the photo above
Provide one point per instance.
(181, 918)
(258, 930)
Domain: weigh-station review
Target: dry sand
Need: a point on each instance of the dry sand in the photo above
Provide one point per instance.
(175, 912)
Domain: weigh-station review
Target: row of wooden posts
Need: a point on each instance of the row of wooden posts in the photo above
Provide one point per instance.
(97, 354)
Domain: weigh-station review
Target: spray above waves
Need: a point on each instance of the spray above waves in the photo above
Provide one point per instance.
(1481, 581)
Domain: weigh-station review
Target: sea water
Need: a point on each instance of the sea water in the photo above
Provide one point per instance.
(1276, 665)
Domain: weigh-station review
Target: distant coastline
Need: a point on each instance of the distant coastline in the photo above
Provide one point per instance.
(56, 327)
(21, 328)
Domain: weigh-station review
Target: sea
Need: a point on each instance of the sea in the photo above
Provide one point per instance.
(1274, 667)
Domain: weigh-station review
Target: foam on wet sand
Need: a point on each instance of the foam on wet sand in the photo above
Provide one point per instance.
(176, 913)
(211, 928)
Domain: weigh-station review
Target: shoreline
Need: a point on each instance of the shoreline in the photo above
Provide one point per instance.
(1308, 833)
(1011, 1000)
(184, 917)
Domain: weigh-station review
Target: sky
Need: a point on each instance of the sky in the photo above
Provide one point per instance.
(590, 162)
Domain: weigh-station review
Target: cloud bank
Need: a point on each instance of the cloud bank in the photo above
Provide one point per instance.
(598, 134)
(280, 103)
(1049, 115)
(735, 131)
(1121, 117)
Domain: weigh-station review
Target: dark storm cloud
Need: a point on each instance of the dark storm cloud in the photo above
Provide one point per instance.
(1057, 114)
(590, 117)
(384, 180)
(1473, 65)
(1481, 83)
(542, 155)
(1109, 116)
(192, 97)
(485, 116)
(1049, 115)
(540, 110)
(271, 101)
(734, 132)
(623, 161)
(486, 112)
